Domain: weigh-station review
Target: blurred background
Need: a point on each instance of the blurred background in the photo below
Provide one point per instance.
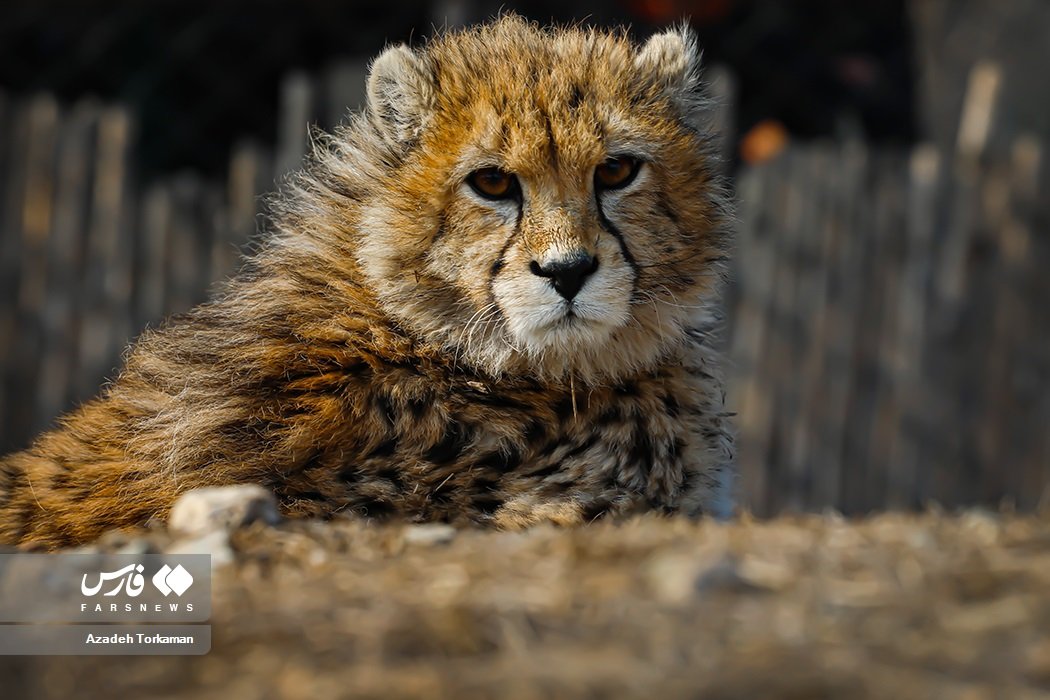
(888, 326)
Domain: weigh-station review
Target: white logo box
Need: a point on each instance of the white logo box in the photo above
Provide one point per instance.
(91, 587)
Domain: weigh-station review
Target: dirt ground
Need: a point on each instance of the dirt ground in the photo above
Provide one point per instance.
(895, 606)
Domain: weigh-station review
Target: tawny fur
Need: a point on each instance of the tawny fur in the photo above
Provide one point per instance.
(387, 350)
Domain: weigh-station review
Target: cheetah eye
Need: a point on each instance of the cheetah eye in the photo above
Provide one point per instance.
(493, 183)
(616, 172)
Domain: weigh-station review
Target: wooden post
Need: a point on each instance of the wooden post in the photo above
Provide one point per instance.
(748, 396)
(61, 313)
(297, 113)
(13, 157)
(345, 90)
(36, 215)
(106, 293)
(721, 87)
(185, 253)
(248, 170)
(1013, 422)
(810, 462)
(153, 281)
(908, 484)
(847, 286)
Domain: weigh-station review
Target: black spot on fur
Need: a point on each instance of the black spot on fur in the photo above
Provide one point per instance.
(80, 493)
(610, 415)
(442, 489)
(626, 389)
(451, 446)
(594, 510)
(394, 477)
(672, 406)
(641, 451)
(382, 404)
(548, 449)
(59, 482)
(418, 407)
(575, 97)
(688, 482)
(67, 531)
(544, 472)
(657, 505)
(560, 487)
(535, 433)
(487, 504)
(552, 144)
(582, 447)
(564, 408)
(409, 363)
(384, 449)
(487, 482)
(375, 508)
(349, 475)
(497, 400)
(306, 496)
(500, 461)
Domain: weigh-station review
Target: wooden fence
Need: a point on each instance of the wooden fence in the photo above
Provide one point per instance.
(889, 334)
(891, 337)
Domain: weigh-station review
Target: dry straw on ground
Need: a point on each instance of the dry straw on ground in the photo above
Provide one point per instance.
(894, 606)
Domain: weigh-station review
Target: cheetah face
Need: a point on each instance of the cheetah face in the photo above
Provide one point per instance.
(563, 276)
(552, 208)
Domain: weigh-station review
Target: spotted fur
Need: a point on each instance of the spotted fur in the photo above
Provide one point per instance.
(389, 351)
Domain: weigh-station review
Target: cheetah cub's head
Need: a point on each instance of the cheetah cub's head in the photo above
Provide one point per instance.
(546, 202)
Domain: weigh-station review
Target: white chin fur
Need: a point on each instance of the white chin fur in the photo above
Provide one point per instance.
(539, 319)
(567, 336)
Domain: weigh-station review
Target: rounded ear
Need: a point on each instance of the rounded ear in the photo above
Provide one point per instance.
(400, 94)
(671, 58)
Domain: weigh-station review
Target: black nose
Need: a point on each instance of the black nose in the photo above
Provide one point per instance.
(567, 274)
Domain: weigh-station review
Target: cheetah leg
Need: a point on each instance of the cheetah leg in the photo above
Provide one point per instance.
(528, 510)
(525, 511)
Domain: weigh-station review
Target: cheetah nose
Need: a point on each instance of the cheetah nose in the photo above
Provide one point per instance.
(568, 274)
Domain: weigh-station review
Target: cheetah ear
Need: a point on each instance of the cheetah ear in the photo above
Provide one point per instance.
(671, 59)
(400, 94)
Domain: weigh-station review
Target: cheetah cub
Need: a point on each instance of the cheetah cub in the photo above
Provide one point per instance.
(488, 298)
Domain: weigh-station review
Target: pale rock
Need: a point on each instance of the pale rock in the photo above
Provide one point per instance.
(221, 508)
(429, 534)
